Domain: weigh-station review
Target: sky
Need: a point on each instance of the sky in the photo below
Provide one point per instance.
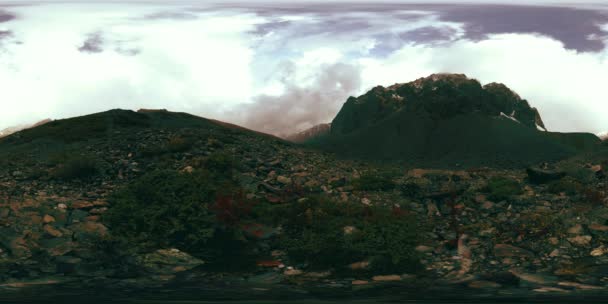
(281, 68)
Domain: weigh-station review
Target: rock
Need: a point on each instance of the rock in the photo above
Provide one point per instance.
(600, 251)
(48, 219)
(167, 261)
(483, 285)
(359, 265)
(90, 231)
(348, 230)
(554, 253)
(550, 289)
(553, 241)
(266, 278)
(541, 176)
(292, 272)
(359, 282)
(505, 250)
(386, 278)
(577, 229)
(366, 201)
(269, 264)
(598, 227)
(424, 249)
(580, 240)
(52, 231)
(284, 180)
(539, 279)
(487, 205)
(579, 286)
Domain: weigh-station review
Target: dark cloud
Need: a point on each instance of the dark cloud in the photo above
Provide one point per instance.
(93, 44)
(6, 16)
(577, 28)
(5, 34)
(571, 26)
(299, 107)
(428, 34)
(171, 15)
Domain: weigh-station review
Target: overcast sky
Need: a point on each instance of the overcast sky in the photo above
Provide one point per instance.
(282, 68)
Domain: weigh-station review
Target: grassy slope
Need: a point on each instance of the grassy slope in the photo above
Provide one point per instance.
(466, 140)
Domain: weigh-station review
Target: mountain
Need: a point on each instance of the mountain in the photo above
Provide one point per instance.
(314, 132)
(158, 201)
(11, 130)
(603, 136)
(447, 120)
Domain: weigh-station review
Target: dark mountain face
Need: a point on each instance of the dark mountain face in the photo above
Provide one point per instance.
(316, 131)
(447, 119)
(439, 97)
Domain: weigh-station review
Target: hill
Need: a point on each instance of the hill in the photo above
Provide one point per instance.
(447, 120)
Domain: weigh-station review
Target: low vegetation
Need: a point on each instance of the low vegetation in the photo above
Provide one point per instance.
(503, 188)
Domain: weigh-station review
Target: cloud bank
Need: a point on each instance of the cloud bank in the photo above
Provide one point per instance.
(283, 68)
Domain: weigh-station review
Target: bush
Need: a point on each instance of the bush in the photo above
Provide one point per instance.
(194, 212)
(372, 182)
(76, 167)
(566, 185)
(314, 234)
(502, 188)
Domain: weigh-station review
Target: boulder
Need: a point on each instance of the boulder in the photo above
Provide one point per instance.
(167, 261)
(542, 176)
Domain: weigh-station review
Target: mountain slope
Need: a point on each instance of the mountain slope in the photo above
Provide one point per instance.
(447, 120)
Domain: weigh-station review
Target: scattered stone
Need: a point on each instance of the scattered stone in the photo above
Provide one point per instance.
(554, 253)
(52, 231)
(424, 249)
(292, 272)
(484, 285)
(167, 261)
(597, 227)
(577, 229)
(539, 279)
(505, 250)
(550, 289)
(348, 230)
(580, 240)
(284, 180)
(359, 282)
(366, 201)
(359, 265)
(600, 251)
(387, 278)
(579, 286)
(48, 219)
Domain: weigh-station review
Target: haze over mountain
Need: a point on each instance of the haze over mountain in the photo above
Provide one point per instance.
(286, 67)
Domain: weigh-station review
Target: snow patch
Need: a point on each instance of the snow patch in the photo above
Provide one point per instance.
(509, 117)
(539, 128)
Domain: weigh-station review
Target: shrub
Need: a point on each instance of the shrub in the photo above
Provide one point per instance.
(76, 167)
(566, 185)
(373, 182)
(314, 234)
(502, 188)
(410, 189)
(177, 144)
(190, 212)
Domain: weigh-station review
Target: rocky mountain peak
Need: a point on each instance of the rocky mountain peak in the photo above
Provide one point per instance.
(440, 96)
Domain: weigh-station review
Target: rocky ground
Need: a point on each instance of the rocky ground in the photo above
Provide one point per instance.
(541, 238)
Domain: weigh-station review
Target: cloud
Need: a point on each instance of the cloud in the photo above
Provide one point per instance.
(299, 106)
(93, 44)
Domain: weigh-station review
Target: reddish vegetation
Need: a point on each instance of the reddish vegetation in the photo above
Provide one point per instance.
(231, 210)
